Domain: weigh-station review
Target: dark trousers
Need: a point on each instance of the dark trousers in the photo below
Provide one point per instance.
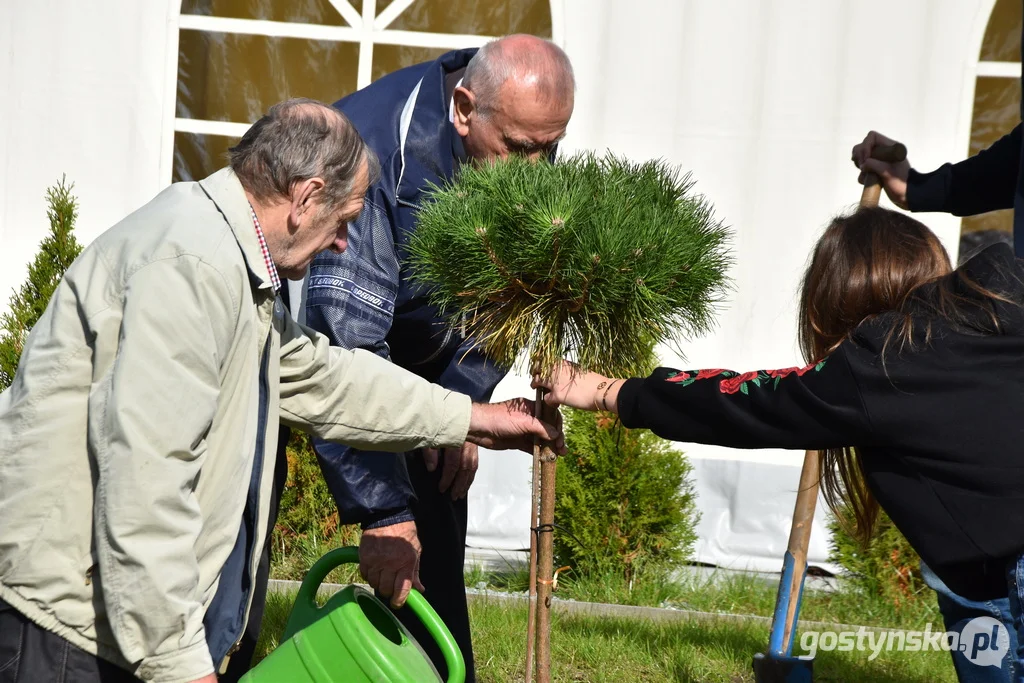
(441, 526)
(30, 654)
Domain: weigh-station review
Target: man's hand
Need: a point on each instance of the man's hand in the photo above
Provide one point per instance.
(894, 176)
(511, 424)
(389, 560)
(458, 470)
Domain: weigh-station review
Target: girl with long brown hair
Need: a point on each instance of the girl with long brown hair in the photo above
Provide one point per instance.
(913, 393)
(864, 265)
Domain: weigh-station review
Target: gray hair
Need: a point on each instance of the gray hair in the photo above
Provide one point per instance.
(518, 56)
(300, 139)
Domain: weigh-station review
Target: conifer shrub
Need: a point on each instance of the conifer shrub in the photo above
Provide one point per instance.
(307, 521)
(598, 259)
(56, 253)
(590, 256)
(888, 567)
(625, 504)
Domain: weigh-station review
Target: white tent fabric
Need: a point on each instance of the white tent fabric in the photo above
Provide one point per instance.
(88, 92)
(761, 100)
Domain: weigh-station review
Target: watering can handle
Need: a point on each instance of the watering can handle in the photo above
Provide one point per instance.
(435, 627)
(305, 599)
(416, 602)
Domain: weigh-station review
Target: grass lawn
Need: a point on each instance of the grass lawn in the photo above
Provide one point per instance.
(596, 649)
(732, 593)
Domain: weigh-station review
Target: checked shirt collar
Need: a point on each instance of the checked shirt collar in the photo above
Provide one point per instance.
(275, 279)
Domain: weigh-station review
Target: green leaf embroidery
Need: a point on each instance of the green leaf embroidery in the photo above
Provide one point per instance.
(743, 388)
(756, 381)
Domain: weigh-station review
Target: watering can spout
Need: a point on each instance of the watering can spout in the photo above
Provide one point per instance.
(354, 637)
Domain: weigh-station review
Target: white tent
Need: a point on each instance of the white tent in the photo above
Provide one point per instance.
(760, 99)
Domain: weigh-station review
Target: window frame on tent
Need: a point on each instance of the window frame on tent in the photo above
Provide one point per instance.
(366, 28)
(968, 133)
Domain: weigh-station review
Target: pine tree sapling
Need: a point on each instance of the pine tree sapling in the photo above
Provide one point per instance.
(56, 253)
(587, 256)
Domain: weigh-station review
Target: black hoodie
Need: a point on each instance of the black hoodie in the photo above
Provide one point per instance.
(939, 425)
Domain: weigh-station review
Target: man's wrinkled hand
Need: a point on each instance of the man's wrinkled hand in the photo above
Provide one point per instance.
(389, 560)
(458, 469)
(512, 425)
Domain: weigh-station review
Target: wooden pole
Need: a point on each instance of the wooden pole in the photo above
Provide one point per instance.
(545, 553)
(531, 623)
(795, 564)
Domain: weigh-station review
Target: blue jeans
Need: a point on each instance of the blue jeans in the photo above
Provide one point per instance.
(957, 611)
(1015, 584)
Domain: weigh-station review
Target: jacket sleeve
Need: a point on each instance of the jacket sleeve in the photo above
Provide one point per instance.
(984, 182)
(351, 299)
(151, 413)
(809, 408)
(357, 398)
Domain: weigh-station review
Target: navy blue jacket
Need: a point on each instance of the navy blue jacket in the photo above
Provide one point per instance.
(363, 299)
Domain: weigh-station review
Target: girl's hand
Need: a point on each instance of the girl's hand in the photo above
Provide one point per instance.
(567, 385)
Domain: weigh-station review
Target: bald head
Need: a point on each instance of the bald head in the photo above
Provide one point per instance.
(519, 64)
(516, 97)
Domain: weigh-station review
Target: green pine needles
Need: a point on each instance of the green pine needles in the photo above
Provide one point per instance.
(56, 253)
(592, 257)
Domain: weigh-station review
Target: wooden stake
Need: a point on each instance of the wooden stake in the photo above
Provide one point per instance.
(545, 553)
(792, 582)
(531, 623)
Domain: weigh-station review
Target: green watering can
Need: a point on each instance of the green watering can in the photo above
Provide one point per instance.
(354, 638)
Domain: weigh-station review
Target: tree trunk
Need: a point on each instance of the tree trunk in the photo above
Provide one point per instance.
(545, 554)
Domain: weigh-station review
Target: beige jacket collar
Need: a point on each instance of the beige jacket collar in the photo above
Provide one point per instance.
(226, 191)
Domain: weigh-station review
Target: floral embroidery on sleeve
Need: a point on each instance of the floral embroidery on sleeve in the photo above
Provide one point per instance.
(733, 382)
(687, 378)
(739, 383)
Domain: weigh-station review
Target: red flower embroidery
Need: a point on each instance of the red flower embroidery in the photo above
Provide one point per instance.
(804, 370)
(679, 377)
(733, 384)
(782, 373)
(705, 374)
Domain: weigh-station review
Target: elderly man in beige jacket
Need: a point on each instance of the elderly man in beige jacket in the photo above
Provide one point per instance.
(137, 441)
